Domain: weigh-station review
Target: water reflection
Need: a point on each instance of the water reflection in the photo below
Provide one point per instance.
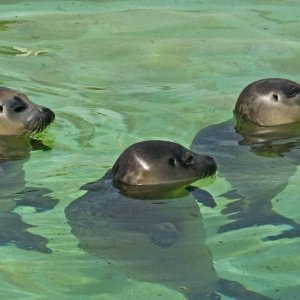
(258, 162)
(14, 152)
(159, 241)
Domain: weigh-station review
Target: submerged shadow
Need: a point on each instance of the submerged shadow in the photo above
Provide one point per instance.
(14, 152)
(258, 162)
(154, 240)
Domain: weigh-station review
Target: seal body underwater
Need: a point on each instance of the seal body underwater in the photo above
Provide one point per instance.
(257, 152)
(19, 119)
(141, 219)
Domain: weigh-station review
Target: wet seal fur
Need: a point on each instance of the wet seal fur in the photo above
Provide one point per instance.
(19, 115)
(157, 167)
(20, 118)
(142, 220)
(257, 152)
(270, 102)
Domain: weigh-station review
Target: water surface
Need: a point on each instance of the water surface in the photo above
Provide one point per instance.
(117, 72)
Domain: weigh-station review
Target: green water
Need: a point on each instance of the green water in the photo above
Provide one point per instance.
(117, 72)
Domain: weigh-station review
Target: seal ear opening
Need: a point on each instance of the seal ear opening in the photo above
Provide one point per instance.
(19, 108)
(275, 97)
(172, 161)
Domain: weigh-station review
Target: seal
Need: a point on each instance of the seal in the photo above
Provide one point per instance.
(270, 102)
(141, 166)
(257, 152)
(19, 115)
(20, 118)
(148, 227)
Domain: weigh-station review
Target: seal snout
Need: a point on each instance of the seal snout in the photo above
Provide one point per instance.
(212, 165)
(48, 115)
(208, 166)
(39, 119)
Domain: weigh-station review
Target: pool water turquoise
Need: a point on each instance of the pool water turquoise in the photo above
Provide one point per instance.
(117, 72)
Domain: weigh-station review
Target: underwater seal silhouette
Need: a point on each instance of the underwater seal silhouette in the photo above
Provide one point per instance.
(257, 152)
(20, 118)
(141, 219)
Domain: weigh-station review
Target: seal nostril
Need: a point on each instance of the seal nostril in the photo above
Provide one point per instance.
(210, 159)
(45, 110)
(48, 113)
(190, 159)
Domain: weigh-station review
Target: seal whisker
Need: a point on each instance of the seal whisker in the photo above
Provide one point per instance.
(35, 127)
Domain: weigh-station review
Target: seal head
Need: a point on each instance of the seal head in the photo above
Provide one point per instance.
(161, 163)
(269, 102)
(19, 115)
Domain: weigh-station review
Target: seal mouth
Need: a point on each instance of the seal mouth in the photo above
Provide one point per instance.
(38, 124)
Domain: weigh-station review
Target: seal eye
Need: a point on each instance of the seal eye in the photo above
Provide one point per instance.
(1, 108)
(173, 162)
(19, 108)
(19, 105)
(275, 97)
(292, 93)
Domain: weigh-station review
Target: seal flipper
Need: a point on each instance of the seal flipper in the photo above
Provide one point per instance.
(14, 230)
(202, 196)
(38, 199)
(237, 291)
